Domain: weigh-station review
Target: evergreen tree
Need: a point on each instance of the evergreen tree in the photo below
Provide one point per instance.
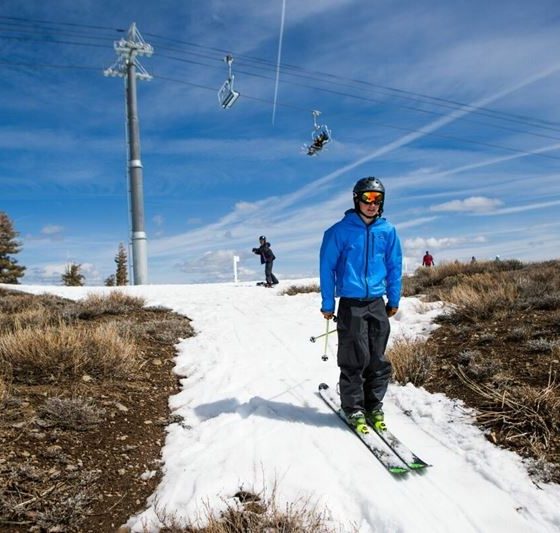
(121, 276)
(72, 276)
(10, 271)
(110, 281)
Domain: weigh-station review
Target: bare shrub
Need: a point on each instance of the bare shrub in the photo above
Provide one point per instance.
(301, 289)
(79, 414)
(115, 303)
(476, 365)
(250, 512)
(487, 338)
(41, 354)
(162, 330)
(517, 334)
(411, 361)
(541, 345)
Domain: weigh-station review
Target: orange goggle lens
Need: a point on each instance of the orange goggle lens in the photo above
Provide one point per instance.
(371, 197)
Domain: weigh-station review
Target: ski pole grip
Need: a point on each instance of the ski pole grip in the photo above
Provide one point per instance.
(325, 357)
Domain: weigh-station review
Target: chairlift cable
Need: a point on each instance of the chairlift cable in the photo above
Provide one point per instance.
(369, 99)
(292, 106)
(377, 123)
(404, 93)
(284, 105)
(491, 113)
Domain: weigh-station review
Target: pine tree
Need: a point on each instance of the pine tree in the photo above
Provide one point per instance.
(72, 276)
(110, 281)
(10, 271)
(121, 260)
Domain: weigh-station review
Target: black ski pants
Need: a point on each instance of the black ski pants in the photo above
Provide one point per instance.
(270, 277)
(363, 331)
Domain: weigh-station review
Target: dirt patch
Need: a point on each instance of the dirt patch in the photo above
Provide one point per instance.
(84, 454)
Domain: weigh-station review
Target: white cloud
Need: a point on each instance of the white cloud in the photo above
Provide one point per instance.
(474, 204)
(434, 243)
(52, 229)
(527, 207)
(52, 271)
(213, 266)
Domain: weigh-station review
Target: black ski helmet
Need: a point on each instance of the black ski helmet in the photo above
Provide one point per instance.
(262, 238)
(369, 184)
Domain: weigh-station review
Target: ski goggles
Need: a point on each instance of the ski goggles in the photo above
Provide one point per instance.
(371, 197)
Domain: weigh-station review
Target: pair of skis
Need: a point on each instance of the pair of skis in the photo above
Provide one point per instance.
(388, 449)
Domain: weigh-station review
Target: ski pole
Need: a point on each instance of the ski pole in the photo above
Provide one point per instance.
(325, 357)
(313, 339)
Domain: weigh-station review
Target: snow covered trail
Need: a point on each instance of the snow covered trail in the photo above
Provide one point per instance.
(252, 418)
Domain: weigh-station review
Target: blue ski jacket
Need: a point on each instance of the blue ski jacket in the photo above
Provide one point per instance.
(360, 261)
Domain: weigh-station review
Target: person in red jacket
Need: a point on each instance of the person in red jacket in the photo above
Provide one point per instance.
(428, 260)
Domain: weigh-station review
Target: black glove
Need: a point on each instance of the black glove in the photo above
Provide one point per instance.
(255, 250)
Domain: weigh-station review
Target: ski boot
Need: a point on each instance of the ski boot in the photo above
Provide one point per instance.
(358, 422)
(376, 419)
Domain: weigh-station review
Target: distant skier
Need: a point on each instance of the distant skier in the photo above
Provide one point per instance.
(428, 260)
(361, 261)
(267, 259)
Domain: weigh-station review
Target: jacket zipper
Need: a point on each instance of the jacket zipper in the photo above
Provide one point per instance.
(367, 261)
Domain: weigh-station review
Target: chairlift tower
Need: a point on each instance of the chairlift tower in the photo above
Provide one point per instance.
(128, 67)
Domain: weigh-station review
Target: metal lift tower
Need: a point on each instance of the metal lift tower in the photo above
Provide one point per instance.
(128, 67)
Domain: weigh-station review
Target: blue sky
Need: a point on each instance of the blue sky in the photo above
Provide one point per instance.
(471, 167)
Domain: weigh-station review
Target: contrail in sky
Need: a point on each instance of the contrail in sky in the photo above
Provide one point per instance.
(278, 60)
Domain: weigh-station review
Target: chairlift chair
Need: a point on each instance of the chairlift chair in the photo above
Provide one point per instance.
(321, 135)
(227, 96)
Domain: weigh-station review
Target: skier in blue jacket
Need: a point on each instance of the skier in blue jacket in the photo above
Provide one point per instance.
(361, 262)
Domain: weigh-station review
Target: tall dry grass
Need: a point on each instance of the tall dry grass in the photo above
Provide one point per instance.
(301, 289)
(480, 295)
(39, 354)
(523, 412)
(114, 303)
(256, 513)
(449, 274)
(411, 361)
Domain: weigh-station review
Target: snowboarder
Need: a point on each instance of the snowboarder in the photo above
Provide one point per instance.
(267, 259)
(428, 260)
(361, 262)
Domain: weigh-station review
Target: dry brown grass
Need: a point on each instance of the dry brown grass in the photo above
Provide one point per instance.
(411, 361)
(41, 354)
(114, 303)
(521, 412)
(450, 274)
(255, 513)
(301, 289)
(478, 296)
